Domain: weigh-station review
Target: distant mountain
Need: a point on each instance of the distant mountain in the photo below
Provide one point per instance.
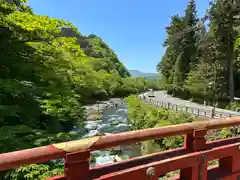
(136, 73)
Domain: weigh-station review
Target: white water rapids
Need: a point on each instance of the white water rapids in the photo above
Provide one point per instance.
(113, 120)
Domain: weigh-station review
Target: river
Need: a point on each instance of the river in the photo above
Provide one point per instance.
(114, 119)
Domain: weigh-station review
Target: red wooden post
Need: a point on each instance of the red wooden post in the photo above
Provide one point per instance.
(230, 164)
(190, 173)
(195, 142)
(76, 165)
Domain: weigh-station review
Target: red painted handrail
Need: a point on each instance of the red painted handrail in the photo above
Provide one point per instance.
(76, 153)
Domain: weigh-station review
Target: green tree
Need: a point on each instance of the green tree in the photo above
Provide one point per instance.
(181, 48)
(222, 15)
(173, 48)
(94, 46)
(189, 60)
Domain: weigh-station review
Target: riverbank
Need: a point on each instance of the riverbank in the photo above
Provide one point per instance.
(94, 111)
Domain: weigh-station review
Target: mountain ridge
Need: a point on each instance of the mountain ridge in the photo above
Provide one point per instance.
(137, 73)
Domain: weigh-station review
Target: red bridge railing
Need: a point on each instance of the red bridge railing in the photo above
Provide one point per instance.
(192, 159)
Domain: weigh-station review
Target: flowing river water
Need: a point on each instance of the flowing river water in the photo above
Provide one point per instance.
(113, 119)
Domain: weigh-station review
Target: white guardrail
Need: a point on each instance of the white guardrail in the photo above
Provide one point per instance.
(212, 114)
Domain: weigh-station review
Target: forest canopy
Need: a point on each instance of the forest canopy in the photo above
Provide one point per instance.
(49, 71)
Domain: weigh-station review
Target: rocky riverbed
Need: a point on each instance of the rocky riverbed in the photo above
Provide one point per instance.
(104, 118)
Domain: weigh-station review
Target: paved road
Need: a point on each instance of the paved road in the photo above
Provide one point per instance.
(164, 97)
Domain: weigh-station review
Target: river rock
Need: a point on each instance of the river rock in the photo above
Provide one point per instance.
(98, 153)
(91, 125)
(115, 151)
(103, 126)
(91, 133)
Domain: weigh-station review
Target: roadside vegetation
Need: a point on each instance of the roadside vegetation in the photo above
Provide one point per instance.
(143, 116)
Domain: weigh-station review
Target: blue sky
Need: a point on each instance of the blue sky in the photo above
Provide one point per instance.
(134, 29)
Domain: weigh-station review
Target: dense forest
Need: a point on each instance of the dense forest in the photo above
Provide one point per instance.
(49, 71)
(201, 61)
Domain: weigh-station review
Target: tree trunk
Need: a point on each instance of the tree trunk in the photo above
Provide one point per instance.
(231, 80)
(230, 63)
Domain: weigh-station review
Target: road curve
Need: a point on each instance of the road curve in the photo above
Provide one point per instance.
(162, 96)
